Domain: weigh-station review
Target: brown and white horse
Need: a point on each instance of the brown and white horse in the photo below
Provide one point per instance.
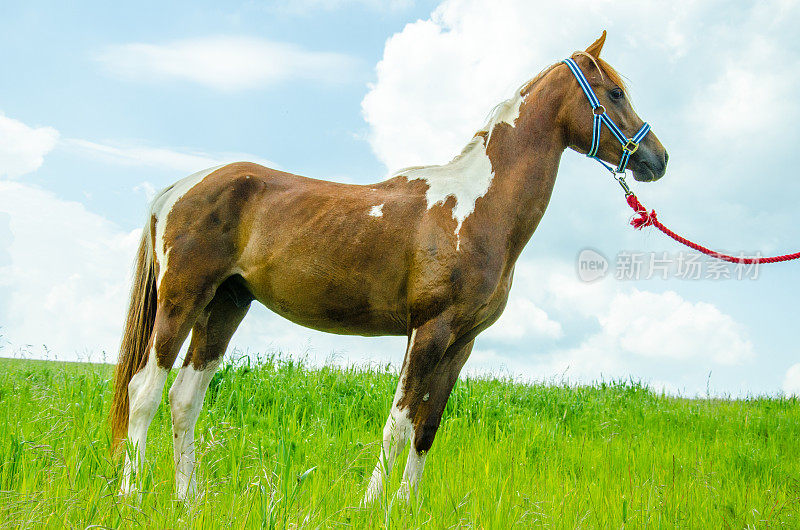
(428, 253)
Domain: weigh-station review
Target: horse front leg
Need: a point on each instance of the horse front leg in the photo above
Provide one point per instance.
(426, 345)
(426, 422)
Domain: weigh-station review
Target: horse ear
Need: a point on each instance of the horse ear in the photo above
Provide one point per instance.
(596, 47)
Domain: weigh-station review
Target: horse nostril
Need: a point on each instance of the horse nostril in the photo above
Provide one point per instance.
(666, 158)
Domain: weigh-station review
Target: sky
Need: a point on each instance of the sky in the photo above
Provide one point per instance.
(102, 104)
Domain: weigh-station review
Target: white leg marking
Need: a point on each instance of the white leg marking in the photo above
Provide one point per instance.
(395, 434)
(162, 206)
(412, 474)
(186, 401)
(144, 396)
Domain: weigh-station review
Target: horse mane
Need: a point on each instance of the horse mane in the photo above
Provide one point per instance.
(605, 68)
(502, 109)
(510, 108)
(499, 113)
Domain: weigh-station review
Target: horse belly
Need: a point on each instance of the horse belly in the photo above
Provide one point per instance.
(335, 301)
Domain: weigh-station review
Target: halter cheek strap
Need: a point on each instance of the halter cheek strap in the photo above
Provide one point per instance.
(599, 117)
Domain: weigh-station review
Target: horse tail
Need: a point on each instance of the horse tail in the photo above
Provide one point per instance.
(137, 336)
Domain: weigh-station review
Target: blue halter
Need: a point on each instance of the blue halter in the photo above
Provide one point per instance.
(599, 117)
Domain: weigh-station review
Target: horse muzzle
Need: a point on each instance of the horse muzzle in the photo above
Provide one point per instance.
(649, 164)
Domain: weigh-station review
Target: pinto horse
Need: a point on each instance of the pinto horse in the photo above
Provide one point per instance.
(428, 253)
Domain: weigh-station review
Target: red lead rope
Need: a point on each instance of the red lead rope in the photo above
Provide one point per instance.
(648, 219)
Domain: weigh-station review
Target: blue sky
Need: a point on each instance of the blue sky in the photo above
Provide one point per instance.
(102, 104)
(60, 81)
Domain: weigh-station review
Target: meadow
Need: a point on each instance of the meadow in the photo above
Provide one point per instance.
(282, 445)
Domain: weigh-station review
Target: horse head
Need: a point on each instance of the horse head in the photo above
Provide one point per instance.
(599, 120)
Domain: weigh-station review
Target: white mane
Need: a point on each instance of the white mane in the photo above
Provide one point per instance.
(504, 112)
(468, 175)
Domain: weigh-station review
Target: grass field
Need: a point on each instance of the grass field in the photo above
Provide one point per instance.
(608, 456)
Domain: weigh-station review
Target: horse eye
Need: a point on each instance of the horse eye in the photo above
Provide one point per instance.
(617, 93)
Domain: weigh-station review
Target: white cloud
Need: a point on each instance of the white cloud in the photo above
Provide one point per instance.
(626, 332)
(147, 188)
(748, 99)
(225, 63)
(523, 320)
(701, 79)
(22, 148)
(791, 381)
(668, 327)
(65, 275)
(732, 107)
(439, 77)
(181, 161)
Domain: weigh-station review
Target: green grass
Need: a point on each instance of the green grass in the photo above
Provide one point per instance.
(613, 455)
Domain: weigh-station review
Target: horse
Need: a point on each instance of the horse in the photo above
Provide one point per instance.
(428, 254)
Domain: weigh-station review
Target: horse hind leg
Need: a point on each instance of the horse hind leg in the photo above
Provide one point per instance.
(210, 336)
(175, 315)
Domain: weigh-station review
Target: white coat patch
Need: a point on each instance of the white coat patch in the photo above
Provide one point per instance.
(162, 206)
(468, 176)
(505, 112)
(377, 211)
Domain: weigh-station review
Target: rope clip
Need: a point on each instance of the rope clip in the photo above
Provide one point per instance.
(620, 178)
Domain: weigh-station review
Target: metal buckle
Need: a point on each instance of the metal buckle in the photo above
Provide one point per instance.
(630, 146)
(599, 110)
(621, 180)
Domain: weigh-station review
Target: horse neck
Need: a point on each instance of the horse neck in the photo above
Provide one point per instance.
(525, 159)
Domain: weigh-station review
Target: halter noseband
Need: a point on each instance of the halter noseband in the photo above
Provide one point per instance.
(599, 116)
